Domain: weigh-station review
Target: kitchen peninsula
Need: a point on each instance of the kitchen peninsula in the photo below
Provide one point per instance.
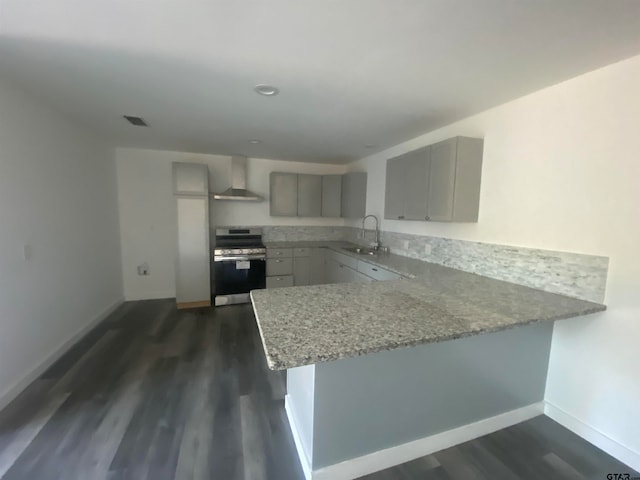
(358, 402)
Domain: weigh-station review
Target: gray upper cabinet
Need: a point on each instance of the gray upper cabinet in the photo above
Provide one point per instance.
(394, 198)
(406, 186)
(190, 179)
(354, 194)
(283, 194)
(440, 182)
(309, 195)
(331, 195)
(454, 180)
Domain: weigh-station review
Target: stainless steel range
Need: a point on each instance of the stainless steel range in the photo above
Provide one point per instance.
(239, 260)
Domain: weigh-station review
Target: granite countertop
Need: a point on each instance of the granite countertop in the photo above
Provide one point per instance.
(307, 325)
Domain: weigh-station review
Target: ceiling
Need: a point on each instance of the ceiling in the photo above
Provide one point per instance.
(351, 73)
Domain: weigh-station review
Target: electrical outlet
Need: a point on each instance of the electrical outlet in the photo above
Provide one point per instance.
(427, 249)
(143, 269)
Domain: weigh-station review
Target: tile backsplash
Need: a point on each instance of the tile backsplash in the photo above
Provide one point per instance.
(573, 274)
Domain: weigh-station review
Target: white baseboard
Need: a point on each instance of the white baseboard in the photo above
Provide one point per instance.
(389, 457)
(153, 295)
(304, 461)
(593, 436)
(13, 391)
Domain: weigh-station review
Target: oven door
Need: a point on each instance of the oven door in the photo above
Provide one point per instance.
(239, 274)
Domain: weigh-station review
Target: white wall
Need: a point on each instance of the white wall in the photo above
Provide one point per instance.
(148, 218)
(58, 197)
(562, 171)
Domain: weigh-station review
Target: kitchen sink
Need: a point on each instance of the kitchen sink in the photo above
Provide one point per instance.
(362, 251)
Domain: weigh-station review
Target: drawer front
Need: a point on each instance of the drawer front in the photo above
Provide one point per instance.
(279, 253)
(282, 281)
(344, 259)
(279, 266)
(302, 252)
(377, 273)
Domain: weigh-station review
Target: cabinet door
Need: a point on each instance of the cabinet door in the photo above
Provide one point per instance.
(318, 271)
(284, 194)
(442, 180)
(466, 199)
(416, 184)
(332, 272)
(331, 195)
(193, 265)
(279, 266)
(354, 194)
(279, 282)
(355, 277)
(302, 271)
(309, 195)
(190, 179)
(394, 197)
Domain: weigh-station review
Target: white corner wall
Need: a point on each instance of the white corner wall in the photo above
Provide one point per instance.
(148, 217)
(59, 245)
(562, 171)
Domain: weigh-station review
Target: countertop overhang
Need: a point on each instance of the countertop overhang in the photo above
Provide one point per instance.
(307, 325)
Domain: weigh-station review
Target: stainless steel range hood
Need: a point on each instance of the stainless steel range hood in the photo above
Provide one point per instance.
(238, 190)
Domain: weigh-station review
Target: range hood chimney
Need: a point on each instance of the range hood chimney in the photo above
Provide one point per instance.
(238, 190)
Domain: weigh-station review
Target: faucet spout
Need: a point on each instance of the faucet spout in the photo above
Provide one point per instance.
(376, 244)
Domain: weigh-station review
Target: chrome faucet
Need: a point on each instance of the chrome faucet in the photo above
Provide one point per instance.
(376, 244)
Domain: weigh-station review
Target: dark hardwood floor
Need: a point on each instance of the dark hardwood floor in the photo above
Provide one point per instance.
(153, 393)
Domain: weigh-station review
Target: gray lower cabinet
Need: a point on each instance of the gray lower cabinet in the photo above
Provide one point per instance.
(331, 195)
(279, 267)
(338, 272)
(280, 281)
(377, 273)
(301, 266)
(440, 182)
(283, 192)
(318, 270)
(302, 271)
(309, 195)
(354, 194)
(287, 267)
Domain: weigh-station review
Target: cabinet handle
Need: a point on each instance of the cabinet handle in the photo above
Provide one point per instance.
(374, 269)
(400, 217)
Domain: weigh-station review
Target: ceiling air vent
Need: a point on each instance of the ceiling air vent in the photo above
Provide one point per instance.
(137, 121)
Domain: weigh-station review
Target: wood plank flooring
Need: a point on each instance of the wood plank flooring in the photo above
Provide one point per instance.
(157, 393)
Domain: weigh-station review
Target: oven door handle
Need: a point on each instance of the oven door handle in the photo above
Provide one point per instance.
(238, 258)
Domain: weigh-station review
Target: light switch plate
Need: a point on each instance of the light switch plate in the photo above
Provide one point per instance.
(427, 249)
(405, 244)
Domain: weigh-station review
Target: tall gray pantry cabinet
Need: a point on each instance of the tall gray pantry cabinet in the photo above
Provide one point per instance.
(193, 274)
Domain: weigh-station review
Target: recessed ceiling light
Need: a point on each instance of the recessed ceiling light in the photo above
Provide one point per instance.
(267, 90)
(255, 141)
(137, 121)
